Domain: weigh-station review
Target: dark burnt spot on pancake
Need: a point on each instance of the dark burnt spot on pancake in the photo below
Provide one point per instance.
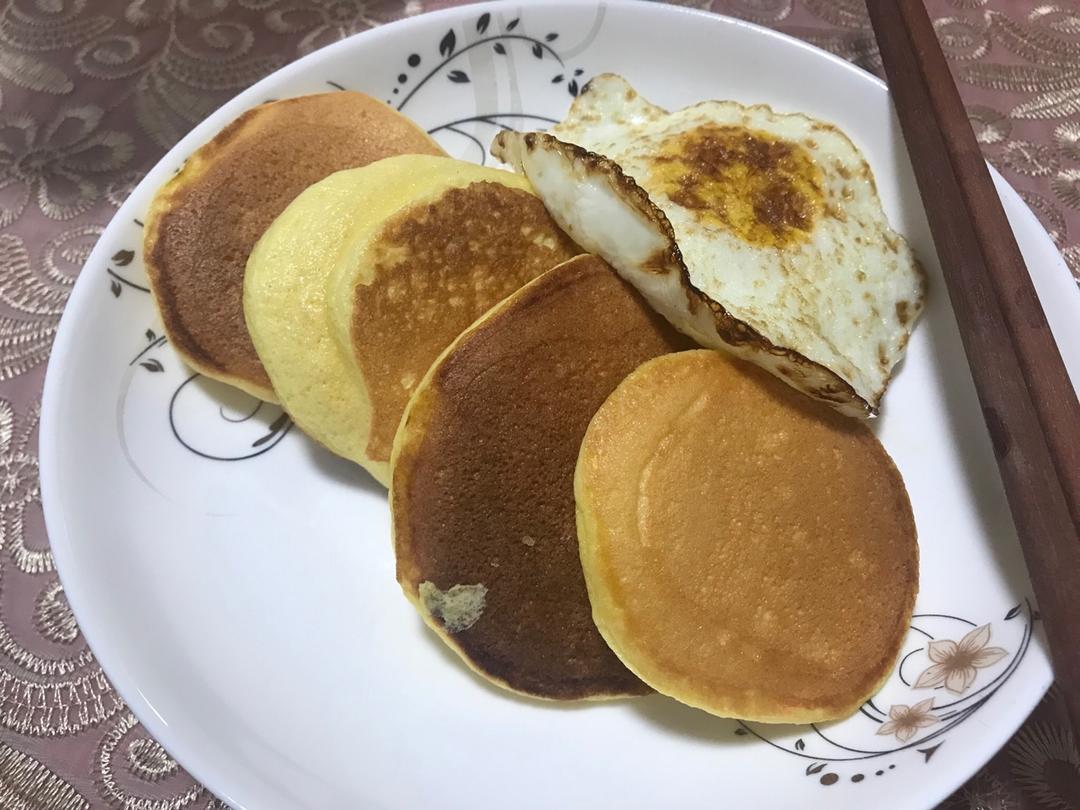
(207, 219)
(488, 465)
(438, 266)
(766, 190)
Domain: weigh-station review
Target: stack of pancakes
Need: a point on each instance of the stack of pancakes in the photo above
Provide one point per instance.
(584, 504)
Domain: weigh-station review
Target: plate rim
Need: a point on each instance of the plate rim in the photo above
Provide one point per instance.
(49, 451)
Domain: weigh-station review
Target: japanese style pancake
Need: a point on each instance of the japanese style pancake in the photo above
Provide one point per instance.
(747, 550)
(368, 275)
(482, 495)
(203, 222)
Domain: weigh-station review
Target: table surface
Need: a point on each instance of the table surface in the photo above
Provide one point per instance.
(78, 133)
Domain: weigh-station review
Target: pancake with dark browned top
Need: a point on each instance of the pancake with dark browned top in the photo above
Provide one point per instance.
(482, 492)
(205, 220)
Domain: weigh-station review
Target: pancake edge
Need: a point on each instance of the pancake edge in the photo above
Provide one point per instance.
(159, 205)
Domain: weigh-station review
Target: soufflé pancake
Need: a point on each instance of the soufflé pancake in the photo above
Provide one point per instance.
(747, 550)
(406, 252)
(482, 495)
(203, 222)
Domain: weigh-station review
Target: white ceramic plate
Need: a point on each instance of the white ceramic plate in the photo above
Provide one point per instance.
(236, 582)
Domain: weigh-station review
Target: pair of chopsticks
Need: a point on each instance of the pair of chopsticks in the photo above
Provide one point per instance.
(1028, 402)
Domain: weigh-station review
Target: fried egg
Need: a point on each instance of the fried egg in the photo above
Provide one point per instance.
(752, 231)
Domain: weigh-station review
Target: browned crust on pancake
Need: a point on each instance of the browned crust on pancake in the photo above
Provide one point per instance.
(482, 487)
(438, 266)
(203, 222)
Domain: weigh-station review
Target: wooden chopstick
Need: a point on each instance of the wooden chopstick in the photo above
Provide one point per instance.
(1028, 402)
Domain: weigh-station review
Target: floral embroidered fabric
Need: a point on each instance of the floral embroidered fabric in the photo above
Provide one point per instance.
(92, 92)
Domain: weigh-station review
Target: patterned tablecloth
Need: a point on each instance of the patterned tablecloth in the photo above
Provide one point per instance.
(92, 93)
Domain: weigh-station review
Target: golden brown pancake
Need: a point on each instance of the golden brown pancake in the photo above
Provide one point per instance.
(747, 550)
(419, 272)
(203, 223)
(482, 490)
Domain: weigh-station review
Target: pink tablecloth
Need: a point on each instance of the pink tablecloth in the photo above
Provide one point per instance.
(92, 92)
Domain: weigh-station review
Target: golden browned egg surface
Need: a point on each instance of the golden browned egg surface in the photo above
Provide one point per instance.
(436, 267)
(765, 189)
(482, 493)
(747, 550)
(204, 222)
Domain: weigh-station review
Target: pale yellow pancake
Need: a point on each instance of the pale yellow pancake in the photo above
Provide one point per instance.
(747, 550)
(425, 245)
(482, 496)
(203, 222)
